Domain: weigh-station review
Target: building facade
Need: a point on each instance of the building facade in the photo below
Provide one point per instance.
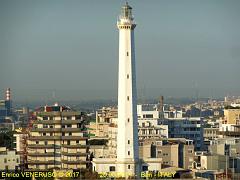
(57, 139)
(9, 160)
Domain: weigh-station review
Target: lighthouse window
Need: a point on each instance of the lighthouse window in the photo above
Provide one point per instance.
(127, 54)
(128, 119)
(128, 98)
(128, 152)
(129, 166)
(128, 76)
(128, 141)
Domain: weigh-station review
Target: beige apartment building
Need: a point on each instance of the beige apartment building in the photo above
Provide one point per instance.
(210, 133)
(230, 125)
(9, 160)
(232, 115)
(57, 139)
(175, 152)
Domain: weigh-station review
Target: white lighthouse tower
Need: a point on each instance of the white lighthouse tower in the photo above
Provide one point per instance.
(127, 162)
(127, 138)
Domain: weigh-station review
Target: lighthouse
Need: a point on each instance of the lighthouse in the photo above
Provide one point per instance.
(127, 138)
(126, 163)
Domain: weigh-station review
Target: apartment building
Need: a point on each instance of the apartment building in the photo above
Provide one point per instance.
(231, 115)
(230, 124)
(175, 152)
(57, 139)
(148, 127)
(189, 128)
(9, 160)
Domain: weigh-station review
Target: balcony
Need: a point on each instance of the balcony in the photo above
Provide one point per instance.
(74, 138)
(46, 130)
(32, 162)
(74, 154)
(38, 154)
(229, 133)
(74, 162)
(71, 130)
(75, 146)
(57, 121)
(45, 138)
(47, 122)
(59, 113)
(43, 146)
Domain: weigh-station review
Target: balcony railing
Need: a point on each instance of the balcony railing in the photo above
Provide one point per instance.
(75, 146)
(43, 146)
(74, 138)
(45, 138)
(74, 154)
(58, 121)
(74, 162)
(46, 130)
(50, 154)
(42, 162)
(229, 133)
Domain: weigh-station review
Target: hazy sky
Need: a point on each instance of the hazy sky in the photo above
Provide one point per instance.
(69, 48)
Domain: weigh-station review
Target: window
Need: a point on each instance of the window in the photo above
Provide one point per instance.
(44, 134)
(127, 53)
(128, 119)
(77, 142)
(129, 167)
(70, 134)
(63, 133)
(63, 126)
(128, 141)
(112, 168)
(128, 98)
(46, 142)
(144, 168)
(68, 142)
(5, 160)
(69, 125)
(148, 116)
(51, 126)
(128, 152)
(127, 76)
(45, 118)
(37, 142)
(17, 160)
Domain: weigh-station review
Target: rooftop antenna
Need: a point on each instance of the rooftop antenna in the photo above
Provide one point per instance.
(54, 95)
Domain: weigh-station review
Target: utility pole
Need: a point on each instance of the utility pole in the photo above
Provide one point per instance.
(226, 166)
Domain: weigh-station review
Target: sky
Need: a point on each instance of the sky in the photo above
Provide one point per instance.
(68, 49)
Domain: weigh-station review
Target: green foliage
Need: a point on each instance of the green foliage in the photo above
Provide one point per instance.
(97, 142)
(7, 139)
(186, 176)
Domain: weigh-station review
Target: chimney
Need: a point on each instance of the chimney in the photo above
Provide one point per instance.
(161, 104)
